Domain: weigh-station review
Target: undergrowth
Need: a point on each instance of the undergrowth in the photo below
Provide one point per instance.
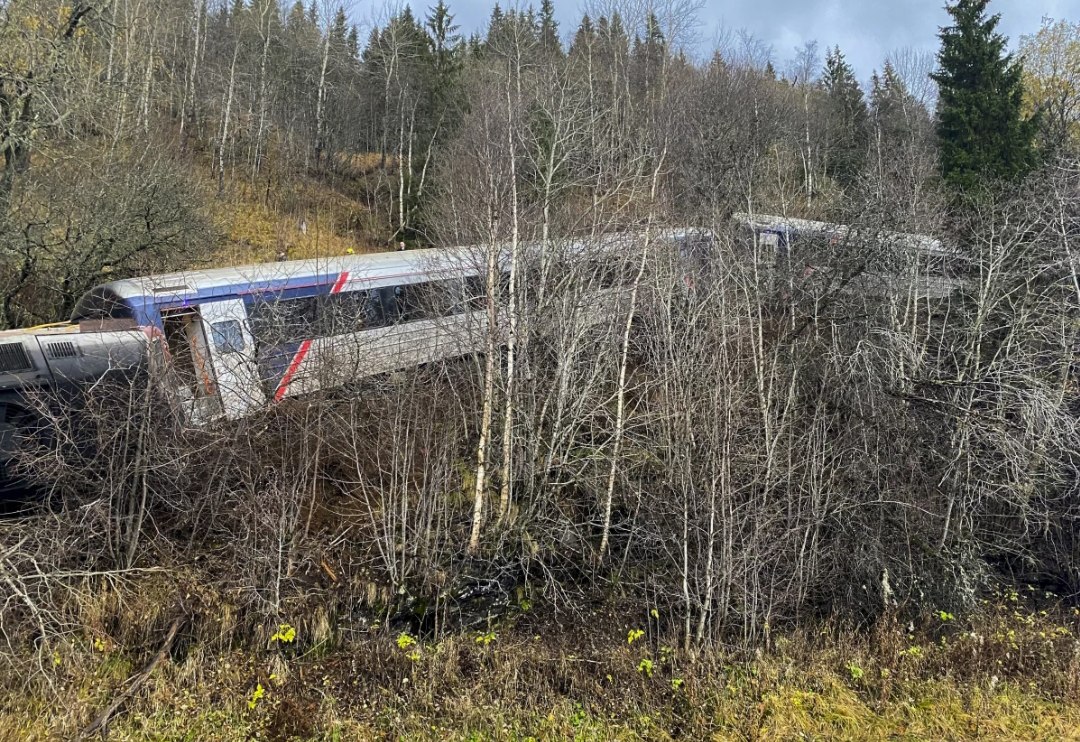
(1011, 671)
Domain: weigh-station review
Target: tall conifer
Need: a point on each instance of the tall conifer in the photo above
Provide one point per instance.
(981, 130)
(848, 133)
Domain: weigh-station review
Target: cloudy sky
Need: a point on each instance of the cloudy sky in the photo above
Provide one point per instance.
(866, 30)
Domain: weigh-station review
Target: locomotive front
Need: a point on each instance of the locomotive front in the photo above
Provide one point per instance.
(42, 366)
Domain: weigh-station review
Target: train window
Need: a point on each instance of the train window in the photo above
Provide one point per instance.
(418, 301)
(455, 296)
(228, 336)
(284, 320)
(300, 317)
(434, 299)
(293, 320)
(475, 292)
(348, 312)
(393, 299)
(371, 310)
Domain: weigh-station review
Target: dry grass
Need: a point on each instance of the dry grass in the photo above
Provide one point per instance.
(1011, 673)
(300, 218)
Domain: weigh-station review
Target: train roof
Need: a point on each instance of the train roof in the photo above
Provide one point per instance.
(919, 242)
(326, 270)
(320, 269)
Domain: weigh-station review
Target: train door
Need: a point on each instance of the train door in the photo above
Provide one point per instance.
(192, 369)
(233, 351)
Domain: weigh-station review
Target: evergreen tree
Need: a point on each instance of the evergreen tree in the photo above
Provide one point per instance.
(614, 42)
(584, 37)
(896, 113)
(475, 45)
(296, 19)
(443, 32)
(339, 28)
(353, 43)
(649, 54)
(549, 30)
(237, 10)
(980, 127)
(496, 25)
(447, 51)
(847, 117)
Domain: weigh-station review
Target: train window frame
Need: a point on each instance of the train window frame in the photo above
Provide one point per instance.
(276, 321)
(228, 336)
(348, 312)
(440, 298)
(282, 321)
(475, 293)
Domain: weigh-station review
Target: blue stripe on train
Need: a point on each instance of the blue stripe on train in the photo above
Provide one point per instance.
(273, 361)
(147, 309)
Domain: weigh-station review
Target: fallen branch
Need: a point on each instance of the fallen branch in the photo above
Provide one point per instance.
(134, 683)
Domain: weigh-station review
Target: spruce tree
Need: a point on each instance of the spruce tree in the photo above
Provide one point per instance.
(981, 131)
(584, 37)
(549, 30)
(897, 115)
(848, 131)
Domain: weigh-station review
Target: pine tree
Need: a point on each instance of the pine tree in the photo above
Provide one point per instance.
(981, 131)
(848, 133)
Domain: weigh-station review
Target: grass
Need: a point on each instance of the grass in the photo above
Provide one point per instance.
(300, 218)
(1009, 673)
(818, 704)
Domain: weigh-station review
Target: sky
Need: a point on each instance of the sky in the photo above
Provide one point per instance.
(866, 30)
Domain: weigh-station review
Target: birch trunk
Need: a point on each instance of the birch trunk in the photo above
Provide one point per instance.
(511, 349)
(225, 121)
(260, 132)
(489, 378)
(620, 404)
(320, 102)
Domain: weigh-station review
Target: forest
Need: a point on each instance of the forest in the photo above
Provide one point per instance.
(772, 506)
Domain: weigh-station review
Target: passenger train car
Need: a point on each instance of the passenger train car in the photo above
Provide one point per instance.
(233, 340)
(897, 262)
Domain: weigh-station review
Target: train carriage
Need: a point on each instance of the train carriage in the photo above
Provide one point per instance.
(232, 340)
(238, 338)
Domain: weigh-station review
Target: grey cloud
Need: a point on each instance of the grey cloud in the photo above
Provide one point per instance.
(866, 30)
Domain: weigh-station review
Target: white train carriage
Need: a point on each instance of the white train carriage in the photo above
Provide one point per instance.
(239, 338)
(899, 262)
(233, 340)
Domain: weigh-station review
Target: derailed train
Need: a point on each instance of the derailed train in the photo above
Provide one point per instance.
(230, 341)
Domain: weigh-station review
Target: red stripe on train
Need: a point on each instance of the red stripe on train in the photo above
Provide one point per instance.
(305, 346)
